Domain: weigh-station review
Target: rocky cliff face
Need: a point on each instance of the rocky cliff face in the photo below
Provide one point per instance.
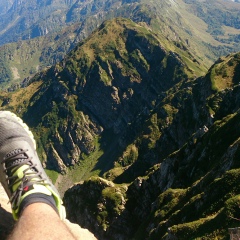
(200, 177)
(101, 86)
(7, 223)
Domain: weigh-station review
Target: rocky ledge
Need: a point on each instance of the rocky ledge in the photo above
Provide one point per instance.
(7, 222)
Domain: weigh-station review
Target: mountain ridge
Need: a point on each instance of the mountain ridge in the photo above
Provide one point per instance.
(176, 20)
(160, 203)
(151, 136)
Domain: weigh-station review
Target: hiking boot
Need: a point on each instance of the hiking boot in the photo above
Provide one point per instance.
(21, 172)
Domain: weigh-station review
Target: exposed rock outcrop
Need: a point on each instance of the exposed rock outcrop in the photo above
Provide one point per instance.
(6, 220)
(202, 176)
(186, 181)
(101, 86)
(7, 223)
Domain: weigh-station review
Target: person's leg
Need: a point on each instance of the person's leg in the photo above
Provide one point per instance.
(35, 201)
(39, 221)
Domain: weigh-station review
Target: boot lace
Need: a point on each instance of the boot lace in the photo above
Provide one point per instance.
(11, 163)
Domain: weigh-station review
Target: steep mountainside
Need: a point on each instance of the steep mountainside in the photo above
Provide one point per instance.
(186, 24)
(28, 19)
(4, 6)
(124, 108)
(22, 60)
(91, 99)
(193, 193)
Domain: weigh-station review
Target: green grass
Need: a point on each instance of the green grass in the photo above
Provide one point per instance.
(53, 175)
(85, 168)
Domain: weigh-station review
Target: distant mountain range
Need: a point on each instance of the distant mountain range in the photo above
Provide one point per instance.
(208, 29)
(137, 121)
